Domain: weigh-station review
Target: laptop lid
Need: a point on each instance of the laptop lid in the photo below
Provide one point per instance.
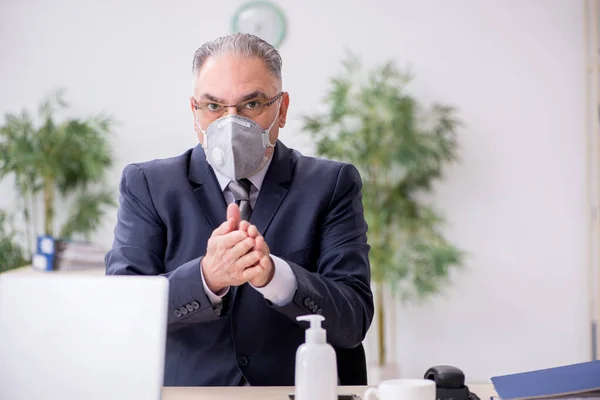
(82, 337)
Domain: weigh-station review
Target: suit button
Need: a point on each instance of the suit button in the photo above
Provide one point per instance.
(177, 313)
(195, 305)
(307, 302)
(315, 308)
(319, 311)
(242, 361)
(189, 307)
(183, 310)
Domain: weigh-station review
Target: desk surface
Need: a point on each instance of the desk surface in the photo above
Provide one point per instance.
(484, 391)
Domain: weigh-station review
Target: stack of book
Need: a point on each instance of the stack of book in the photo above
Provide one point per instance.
(58, 255)
(77, 256)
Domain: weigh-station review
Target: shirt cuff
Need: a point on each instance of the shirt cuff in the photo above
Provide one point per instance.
(282, 287)
(215, 298)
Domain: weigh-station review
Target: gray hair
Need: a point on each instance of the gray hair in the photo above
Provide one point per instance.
(242, 44)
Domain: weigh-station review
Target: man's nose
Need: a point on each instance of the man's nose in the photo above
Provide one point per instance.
(232, 110)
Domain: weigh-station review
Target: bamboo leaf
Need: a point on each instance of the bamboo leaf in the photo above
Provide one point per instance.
(12, 254)
(86, 215)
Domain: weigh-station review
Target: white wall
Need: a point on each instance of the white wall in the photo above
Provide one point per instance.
(514, 68)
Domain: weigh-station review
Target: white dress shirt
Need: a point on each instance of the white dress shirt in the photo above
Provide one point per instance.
(282, 287)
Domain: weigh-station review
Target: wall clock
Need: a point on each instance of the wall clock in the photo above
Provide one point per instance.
(263, 19)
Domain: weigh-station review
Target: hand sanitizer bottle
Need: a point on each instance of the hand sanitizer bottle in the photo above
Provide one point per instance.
(316, 364)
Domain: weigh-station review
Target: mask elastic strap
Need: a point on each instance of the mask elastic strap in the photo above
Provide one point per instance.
(265, 135)
(205, 141)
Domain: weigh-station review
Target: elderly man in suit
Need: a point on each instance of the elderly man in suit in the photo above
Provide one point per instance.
(249, 233)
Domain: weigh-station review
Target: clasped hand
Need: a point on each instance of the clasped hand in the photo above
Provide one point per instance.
(236, 253)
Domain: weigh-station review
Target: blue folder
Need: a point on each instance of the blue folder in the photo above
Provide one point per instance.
(576, 380)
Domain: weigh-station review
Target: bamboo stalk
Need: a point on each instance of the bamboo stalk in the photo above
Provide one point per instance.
(49, 205)
(380, 325)
(34, 221)
(28, 219)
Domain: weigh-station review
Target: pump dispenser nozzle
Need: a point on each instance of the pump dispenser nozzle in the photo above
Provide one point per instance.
(316, 333)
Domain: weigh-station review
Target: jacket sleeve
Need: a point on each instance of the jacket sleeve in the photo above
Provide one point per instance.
(138, 248)
(340, 288)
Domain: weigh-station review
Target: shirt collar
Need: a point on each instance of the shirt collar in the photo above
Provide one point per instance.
(256, 179)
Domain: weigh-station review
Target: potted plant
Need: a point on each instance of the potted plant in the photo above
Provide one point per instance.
(60, 164)
(400, 148)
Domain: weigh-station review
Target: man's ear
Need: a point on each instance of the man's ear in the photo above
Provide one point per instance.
(197, 128)
(283, 109)
(193, 109)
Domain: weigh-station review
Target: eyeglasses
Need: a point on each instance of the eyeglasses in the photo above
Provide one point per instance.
(249, 108)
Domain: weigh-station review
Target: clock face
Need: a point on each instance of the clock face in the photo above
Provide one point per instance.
(263, 19)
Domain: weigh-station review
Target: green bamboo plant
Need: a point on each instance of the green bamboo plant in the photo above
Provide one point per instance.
(58, 164)
(12, 254)
(400, 149)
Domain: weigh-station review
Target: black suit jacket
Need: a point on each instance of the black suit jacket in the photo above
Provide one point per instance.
(310, 212)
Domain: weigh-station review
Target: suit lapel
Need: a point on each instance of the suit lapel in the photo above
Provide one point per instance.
(207, 188)
(274, 188)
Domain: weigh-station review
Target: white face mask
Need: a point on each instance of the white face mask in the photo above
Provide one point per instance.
(235, 146)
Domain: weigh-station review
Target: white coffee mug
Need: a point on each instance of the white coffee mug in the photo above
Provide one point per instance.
(403, 389)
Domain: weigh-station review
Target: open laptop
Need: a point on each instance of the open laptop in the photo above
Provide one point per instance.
(82, 337)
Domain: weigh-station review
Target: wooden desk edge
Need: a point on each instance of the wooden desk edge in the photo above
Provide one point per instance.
(483, 390)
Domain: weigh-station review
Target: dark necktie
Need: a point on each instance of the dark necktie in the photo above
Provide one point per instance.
(241, 195)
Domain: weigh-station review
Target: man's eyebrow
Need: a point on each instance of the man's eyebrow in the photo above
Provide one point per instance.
(249, 96)
(210, 97)
(253, 95)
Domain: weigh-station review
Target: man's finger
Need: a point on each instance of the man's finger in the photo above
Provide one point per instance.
(265, 261)
(232, 238)
(252, 272)
(261, 245)
(241, 248)
(253, 231)
(233, 211)
(224, 228)
(244, 225)
(248, 260)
